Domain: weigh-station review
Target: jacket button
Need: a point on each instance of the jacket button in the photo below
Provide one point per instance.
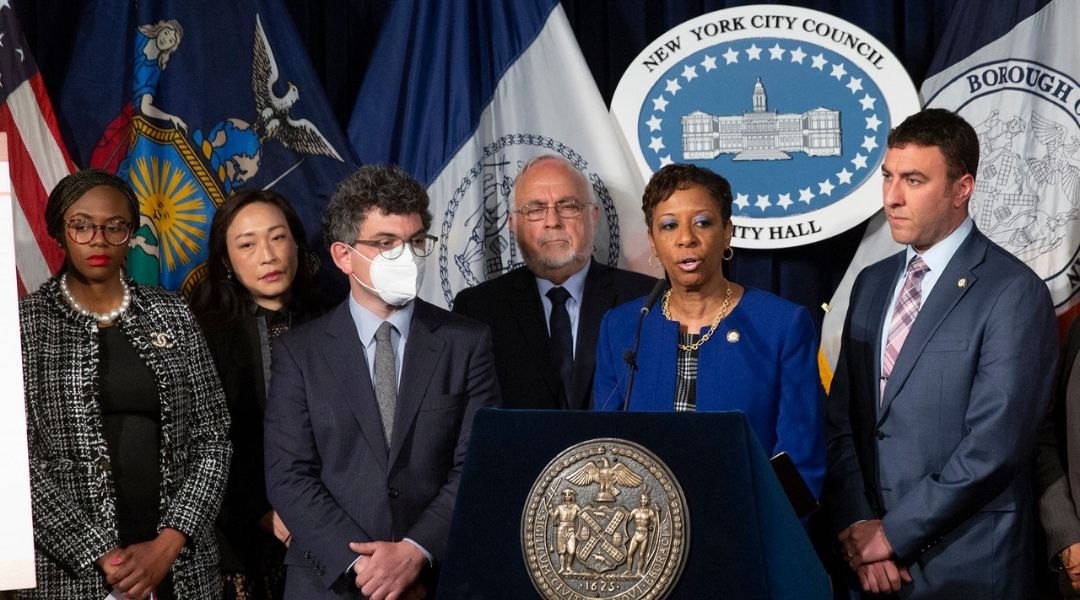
(104, 465)
(880, 434)
(392, 492)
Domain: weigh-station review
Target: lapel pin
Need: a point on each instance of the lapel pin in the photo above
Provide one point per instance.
(962, 282)
(733, 336)
(161, 339)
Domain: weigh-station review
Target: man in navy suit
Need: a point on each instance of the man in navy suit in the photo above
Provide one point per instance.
(554, 222)
(371, 405)
(944, 376)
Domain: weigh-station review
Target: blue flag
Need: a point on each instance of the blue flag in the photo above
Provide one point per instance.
(460, 94)
(191, 101)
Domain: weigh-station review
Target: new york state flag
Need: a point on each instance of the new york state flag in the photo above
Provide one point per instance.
(191, 101)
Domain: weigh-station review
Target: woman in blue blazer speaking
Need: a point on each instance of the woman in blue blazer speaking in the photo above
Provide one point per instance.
(711, 344)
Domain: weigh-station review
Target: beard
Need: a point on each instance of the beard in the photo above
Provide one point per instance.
(553, 258)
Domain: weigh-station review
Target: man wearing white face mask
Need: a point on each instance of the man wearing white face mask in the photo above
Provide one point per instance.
(370, 406)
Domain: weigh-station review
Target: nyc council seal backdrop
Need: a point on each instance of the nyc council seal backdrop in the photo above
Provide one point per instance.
(791, 105)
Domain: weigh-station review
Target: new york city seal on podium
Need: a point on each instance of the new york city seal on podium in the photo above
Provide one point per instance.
(605, 519)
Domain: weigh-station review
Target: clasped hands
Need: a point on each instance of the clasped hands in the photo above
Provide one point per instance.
(135, 571)
(389, 570)
(869, 553)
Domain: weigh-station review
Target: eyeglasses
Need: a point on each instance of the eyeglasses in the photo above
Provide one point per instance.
(567, 209)
(391, 246)
(116, 232)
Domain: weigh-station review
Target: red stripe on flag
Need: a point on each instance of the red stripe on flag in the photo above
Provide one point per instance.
(37, 84)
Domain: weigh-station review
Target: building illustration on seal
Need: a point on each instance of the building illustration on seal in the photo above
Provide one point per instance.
(761, 134)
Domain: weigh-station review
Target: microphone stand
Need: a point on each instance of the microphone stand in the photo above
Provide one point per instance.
(630, 356)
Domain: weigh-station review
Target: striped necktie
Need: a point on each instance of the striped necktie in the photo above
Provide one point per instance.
(906, 309)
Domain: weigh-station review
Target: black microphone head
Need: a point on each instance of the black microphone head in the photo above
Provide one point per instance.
(661, 286)
(629, 357)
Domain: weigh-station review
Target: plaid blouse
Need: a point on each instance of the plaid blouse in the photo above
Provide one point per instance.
(686, 374)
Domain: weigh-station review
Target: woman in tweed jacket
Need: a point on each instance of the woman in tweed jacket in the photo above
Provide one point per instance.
(78, 383)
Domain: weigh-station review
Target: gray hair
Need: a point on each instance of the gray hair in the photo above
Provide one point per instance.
(387, 188)
(544, 158)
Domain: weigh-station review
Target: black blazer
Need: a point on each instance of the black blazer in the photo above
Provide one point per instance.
(511, 307)
(240, 349)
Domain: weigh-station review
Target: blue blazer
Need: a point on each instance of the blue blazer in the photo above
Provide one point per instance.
(945, 459)
(769, 373)
(329, 473)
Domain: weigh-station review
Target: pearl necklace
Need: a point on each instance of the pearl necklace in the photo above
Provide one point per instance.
(101, 318)
(708, 334)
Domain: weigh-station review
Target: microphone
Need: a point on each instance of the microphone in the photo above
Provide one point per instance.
(630, 356)
(660, 287)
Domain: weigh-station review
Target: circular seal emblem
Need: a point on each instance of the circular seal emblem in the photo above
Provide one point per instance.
(792, 106)
(1027, 193)
(605, 519)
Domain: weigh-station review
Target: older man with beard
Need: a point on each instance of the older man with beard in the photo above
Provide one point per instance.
(545, 316)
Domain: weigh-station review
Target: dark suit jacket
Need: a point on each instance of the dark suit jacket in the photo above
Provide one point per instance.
(328, 470)
(511, 306)
(945, 461)
(1057, 484)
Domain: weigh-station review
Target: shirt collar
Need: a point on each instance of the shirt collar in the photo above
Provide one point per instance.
(939, 255)
(367, 322)
(575, 284)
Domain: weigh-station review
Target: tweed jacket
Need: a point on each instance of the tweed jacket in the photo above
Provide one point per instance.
(71, 485)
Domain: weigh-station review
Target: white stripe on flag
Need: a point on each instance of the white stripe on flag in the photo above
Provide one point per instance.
(43, 148)
(33, 270)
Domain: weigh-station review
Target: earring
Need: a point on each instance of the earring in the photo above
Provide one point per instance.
(657, 265)
(729, 253)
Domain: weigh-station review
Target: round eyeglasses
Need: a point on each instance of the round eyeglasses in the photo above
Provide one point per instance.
(566, 209)
(116, 233)
(391, 246)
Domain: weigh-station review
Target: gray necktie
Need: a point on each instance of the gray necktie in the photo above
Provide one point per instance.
(385, 377)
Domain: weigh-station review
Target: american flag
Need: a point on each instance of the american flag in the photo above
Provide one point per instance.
(38, 159)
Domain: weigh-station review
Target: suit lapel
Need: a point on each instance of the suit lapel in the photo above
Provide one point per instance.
(423, 352)
(944, 297)
(344, 354)
(598, 297)
(529, 314)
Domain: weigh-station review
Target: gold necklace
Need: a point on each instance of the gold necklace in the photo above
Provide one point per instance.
(708, 334)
